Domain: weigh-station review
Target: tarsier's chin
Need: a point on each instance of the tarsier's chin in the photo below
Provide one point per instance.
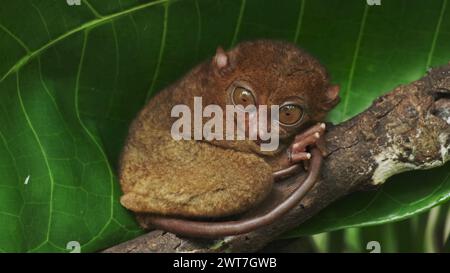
(196, 178)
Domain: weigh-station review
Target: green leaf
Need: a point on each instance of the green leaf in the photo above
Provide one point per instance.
(73, 77)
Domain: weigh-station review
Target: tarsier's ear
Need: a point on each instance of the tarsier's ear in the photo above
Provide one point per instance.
(221, 61)
(331, 97)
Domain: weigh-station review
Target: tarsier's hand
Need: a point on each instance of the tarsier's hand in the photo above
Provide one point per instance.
(298, 153)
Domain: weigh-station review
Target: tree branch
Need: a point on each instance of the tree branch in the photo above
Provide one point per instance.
(404, 130)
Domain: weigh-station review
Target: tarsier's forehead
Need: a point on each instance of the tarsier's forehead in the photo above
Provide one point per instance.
(279, 59)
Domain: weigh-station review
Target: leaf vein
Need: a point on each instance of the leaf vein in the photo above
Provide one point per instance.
(354, 59)
(90, 24)
(238, 23)
(299, 21)
(436, 34)
(161, 52)
(77, 88)
(17, 39)
(44, 154)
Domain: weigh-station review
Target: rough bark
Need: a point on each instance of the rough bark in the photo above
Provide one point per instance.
(406, 129)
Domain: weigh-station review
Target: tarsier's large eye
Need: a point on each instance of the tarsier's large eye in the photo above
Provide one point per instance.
(243, 96)
(290, 114)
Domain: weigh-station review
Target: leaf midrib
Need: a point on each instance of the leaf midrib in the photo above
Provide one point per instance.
(88, 25)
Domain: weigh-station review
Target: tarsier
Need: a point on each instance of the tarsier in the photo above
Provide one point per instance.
(177, 183)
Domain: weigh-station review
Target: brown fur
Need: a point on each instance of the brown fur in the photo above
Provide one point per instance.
(213, 179)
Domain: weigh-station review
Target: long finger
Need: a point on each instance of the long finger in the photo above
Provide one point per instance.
(297, 157)
(301, 144)
(318, 128)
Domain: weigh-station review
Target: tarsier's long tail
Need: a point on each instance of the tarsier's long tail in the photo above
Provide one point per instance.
(204, 229)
